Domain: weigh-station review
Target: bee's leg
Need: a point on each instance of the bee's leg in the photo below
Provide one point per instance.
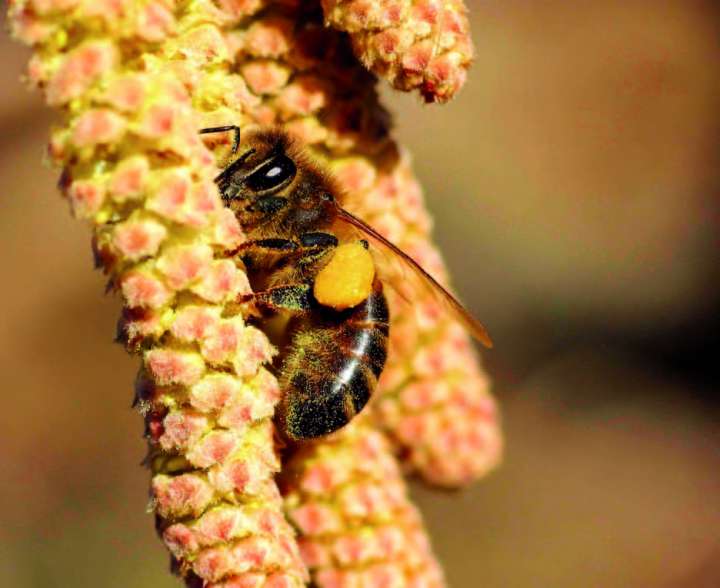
(319, 240)
(265, 246)
(307, 243)
(295, 299)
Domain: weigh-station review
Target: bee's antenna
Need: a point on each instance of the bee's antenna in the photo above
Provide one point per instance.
(234, 128)
(230, 169)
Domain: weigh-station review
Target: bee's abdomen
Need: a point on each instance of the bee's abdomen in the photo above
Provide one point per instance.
(331, 372)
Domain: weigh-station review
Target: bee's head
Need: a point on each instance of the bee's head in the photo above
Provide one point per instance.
(271, 181)
(263, 168)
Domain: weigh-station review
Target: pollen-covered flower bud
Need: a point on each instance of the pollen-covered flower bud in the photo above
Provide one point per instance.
(347, 499)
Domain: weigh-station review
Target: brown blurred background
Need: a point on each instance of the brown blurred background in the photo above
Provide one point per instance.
(575, 188)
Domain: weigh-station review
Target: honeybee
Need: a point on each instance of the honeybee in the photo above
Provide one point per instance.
(296, 230)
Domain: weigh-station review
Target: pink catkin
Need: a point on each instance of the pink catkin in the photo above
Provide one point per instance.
(347, 499)
(135, 167)
(419, 45)
(436, 404)
(135, 83)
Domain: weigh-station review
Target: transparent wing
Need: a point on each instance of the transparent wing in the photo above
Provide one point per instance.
(402, 282)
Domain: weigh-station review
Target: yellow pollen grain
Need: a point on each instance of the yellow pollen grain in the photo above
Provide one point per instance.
(347, 278)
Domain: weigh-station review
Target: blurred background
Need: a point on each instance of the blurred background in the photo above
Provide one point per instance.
(575, 187)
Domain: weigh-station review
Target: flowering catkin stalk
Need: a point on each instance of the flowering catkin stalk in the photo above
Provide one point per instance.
(135, 80)
(435, 405)
(416, 45)
(133, 164)
(348, 499)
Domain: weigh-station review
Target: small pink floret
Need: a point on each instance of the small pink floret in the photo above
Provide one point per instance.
(387, 44)
(143, 290)
(366, 500)
(186, 494)
(127, 93)
(319, 479)
(193, 323)
(214, 563)
(220, 525)
(155, 22)
(280, 580)
(351, 550)
(168, 366)
(223, 281)
(170, 195)
(333, 578)
(254, 350)
(270, 521)
(221, 342)
(427, 11)
(182, 429)
(266, 386)
(128, 179)
(441, 71)
(249, 580)
(204, 198)
(214, 448)
(240, 8)
(269, 37)
(81, 68)
(314, 553)
(254, 553)
(315, 519)
(265, 77)
(391, 541)
(140, 238)
(107, 10)
(239, 476)
(411, 428)
(239, 473)
(203, 44)
(184, 264)
(417, 57)
(393, 13)
(228, 233)
(159, 121)
(237, 416)
(304, 96)
(180, 540)
(214, 392)
(420, 395)
(356, 175)
(86, 197)
(98, 126)
(384, 576)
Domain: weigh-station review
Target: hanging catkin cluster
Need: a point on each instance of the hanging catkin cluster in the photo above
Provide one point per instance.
(135, 80)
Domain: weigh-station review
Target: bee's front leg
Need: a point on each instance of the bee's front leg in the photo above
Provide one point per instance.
(295, 299)
(307, 243)
(273, 245)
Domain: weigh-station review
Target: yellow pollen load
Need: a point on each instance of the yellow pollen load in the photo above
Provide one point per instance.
(347, 279)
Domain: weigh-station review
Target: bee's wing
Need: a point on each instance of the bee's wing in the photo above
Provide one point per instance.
(418, 278)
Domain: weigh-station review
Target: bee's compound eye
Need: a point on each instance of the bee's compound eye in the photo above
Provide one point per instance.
(271, 175)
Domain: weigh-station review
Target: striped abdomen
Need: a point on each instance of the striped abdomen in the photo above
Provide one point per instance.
(331, 370)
